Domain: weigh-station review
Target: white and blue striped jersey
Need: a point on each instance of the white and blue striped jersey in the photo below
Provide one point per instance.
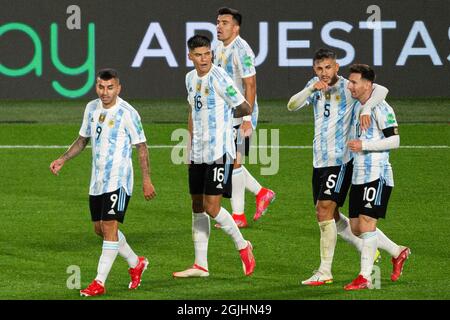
(238, 60)
(332, 117)
(369, 166)
(212, 99)
(112, 132)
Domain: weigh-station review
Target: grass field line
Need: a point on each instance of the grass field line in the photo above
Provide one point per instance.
(178, 146)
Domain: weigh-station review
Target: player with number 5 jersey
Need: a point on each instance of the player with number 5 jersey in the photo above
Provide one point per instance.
(332, 163)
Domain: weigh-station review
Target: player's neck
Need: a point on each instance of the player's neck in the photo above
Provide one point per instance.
(109, 105)
(363, 99)
(227, 42)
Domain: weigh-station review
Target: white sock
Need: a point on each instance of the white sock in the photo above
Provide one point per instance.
(238, 191)
(368, 253)
(250, 183)
(345, 231)
(200, 235)
(229, 226)
(387, 244)
(126, 252)
(109, 254)
(328, 237)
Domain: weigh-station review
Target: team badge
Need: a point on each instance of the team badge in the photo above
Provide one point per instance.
(102, 117)
(111, 123)
(206, 91)
(327, 95)
(199, 86)
(338, 98)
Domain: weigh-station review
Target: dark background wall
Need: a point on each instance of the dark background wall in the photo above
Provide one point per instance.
(120, 27)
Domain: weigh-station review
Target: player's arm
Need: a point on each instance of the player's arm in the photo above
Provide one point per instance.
(144, 162)
(250, 96)
(391, 141)
(379, 93)
(242, 110)
(75, 149)
(300, 99)
(189, 143)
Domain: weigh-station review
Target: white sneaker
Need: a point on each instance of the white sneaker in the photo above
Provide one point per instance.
(193, 272)
(318, 279)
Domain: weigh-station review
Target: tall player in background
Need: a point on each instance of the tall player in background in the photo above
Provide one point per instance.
(235, 56)
(332, 162)
(113, 126)
(213, 100)
(372, 180)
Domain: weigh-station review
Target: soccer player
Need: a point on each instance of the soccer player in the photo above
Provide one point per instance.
(332, 163)
(235, 56)
(372, 179)
(113, 126)
(214, 100)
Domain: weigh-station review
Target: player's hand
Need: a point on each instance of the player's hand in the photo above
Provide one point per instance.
(149, 190)
(246, 129)
(364, 121)
(320, 85)
(56, 165)
(355, 145)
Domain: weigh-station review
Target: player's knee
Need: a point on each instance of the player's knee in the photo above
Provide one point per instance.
(98, 230)
(109, 230)
(324, 211)
(212, 209)
(197, 206)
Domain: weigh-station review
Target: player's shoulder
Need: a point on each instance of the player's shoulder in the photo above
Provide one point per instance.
(93, 104)
(383, 108)
(242, 47)
(126, 107)
(190, 74)
(218, 73)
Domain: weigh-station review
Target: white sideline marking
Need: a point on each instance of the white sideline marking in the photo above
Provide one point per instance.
(177, 146)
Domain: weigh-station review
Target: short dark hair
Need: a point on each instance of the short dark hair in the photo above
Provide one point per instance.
(324, 53)
(236, 15)
(108, 74)
(364, 70)
(198, 41)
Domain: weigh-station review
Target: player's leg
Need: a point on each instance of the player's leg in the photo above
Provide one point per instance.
(325, 204)
(263, 196)
(213, 207)
(137, 264)
(200, 224)
(238, 193)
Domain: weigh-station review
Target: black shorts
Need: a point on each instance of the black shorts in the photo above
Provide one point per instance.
(109, 206)
(370, 199)
(211, 179)
(332, 183)
(242, 144)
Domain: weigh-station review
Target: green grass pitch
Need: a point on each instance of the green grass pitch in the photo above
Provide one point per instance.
(46, 224)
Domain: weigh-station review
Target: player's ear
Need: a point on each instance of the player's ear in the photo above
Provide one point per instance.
(119, 88)
(190, 56)
(337, 67)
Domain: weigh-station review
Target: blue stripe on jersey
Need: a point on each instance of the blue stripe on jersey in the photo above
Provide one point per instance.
(229, 67)
(337, 189)
(226, 119)
(212, 125)
(227, 169)
(112, 148)
(323, 137)
(340, 135)
(379, 191)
